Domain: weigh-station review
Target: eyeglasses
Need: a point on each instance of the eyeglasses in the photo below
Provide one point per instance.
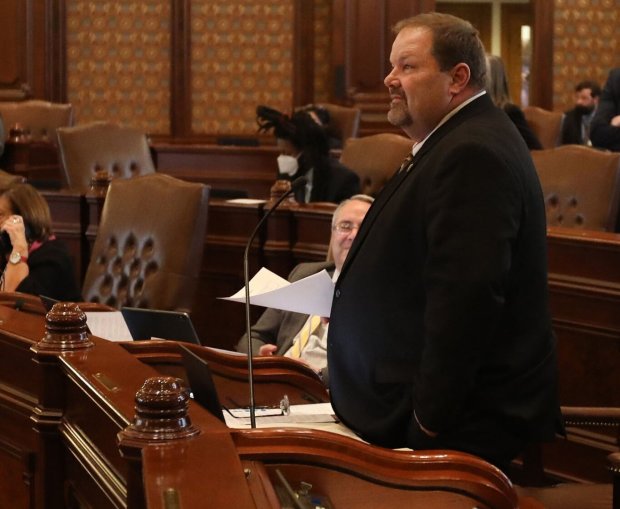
(345, 227)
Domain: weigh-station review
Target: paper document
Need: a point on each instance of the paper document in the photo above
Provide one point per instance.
(108, 325)
(246, 201)
(311, 295)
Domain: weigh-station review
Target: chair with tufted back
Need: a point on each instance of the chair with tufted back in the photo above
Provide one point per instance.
(580, 186)
(375, 158)
(149, 245)
(87, 149)
(344, 121)
(545, 124)
(40, 118)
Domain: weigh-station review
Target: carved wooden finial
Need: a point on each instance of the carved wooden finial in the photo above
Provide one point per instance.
(278, 189)
(100, 182)
(65, 329)
(161, 411)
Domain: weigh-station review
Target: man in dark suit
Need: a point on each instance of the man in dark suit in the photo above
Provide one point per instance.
(576, 121)
(277, 331)
(440, 334)
(605, 126)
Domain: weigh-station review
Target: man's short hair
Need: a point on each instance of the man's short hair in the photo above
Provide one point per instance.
(357, 197)
(455, 40)
(595, 88)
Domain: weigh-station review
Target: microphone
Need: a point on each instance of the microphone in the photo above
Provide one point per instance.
(296, 184)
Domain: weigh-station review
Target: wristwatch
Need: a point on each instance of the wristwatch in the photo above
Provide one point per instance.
(16, 257)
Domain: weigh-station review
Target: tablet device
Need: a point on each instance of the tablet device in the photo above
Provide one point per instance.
(201, 383)
(156, 323)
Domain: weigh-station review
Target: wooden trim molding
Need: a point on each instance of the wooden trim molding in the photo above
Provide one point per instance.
(542, 58)
(180, 68)
(303, 53)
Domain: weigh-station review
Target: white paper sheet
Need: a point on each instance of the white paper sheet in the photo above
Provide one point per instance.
(108, 325)
(246, 201)
(311, 295)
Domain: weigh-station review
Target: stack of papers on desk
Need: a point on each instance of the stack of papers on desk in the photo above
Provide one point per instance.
(312, 416)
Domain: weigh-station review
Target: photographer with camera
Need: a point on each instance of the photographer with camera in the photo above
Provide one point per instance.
(32, 260)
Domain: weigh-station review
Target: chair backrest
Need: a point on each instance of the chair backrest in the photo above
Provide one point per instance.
(375, 158)
(545, 124)
(122, 152)
(148, 249)
(41, 118)
(580, 185)
(344, 121)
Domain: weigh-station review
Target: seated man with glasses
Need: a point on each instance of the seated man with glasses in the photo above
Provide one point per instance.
(301, 336)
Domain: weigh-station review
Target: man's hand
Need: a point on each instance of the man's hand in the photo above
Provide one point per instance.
(267, 350)
(615, 121)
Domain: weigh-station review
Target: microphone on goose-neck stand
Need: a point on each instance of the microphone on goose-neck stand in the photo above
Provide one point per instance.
(296, 184)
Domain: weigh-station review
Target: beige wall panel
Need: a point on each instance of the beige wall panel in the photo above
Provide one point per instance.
(241, 57)
(586, 45)
(118, 62)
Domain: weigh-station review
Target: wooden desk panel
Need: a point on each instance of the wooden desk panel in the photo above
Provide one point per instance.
(38, 161)
(85, 397)
(251, 169)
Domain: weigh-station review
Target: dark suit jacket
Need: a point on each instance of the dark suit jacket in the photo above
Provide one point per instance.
(52, 273)
(602, 134)
(441, 306)
(279, 327)
(332, 183)
(571, 128)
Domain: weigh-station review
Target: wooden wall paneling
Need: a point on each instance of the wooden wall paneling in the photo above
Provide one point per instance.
(362, 39)
(303, 53)
(55, 50)
(180, 69)
(541, 92)
(32, 35)
(16, 72)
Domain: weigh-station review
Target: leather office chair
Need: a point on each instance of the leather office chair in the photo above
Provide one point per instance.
(344, 121)
(580, 185)
(40, 118)
(545, 124)
(149, 245)
(375, 158)
(88, 149)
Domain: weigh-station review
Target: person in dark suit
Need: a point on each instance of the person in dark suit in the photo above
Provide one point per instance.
(440, 333)
(304, 147)
(576, 121)
(605, 126)
(276, 331)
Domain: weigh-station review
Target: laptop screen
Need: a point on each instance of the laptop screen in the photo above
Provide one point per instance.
(156, 323)
(201, 382)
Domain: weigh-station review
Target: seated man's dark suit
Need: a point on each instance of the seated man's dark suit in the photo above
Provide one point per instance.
(441, 306)
(602, 133)
(279, 327)
(572, 132)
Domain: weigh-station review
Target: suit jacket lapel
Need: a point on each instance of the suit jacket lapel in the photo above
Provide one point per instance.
(471, 110)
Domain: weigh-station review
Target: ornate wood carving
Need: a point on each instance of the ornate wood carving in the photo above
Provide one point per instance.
(161, 412)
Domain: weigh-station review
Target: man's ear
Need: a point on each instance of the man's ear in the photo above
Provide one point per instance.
(460, 78)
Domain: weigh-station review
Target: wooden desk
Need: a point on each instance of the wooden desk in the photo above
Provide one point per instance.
(251, 169)
(38, 161)
(69, 437)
